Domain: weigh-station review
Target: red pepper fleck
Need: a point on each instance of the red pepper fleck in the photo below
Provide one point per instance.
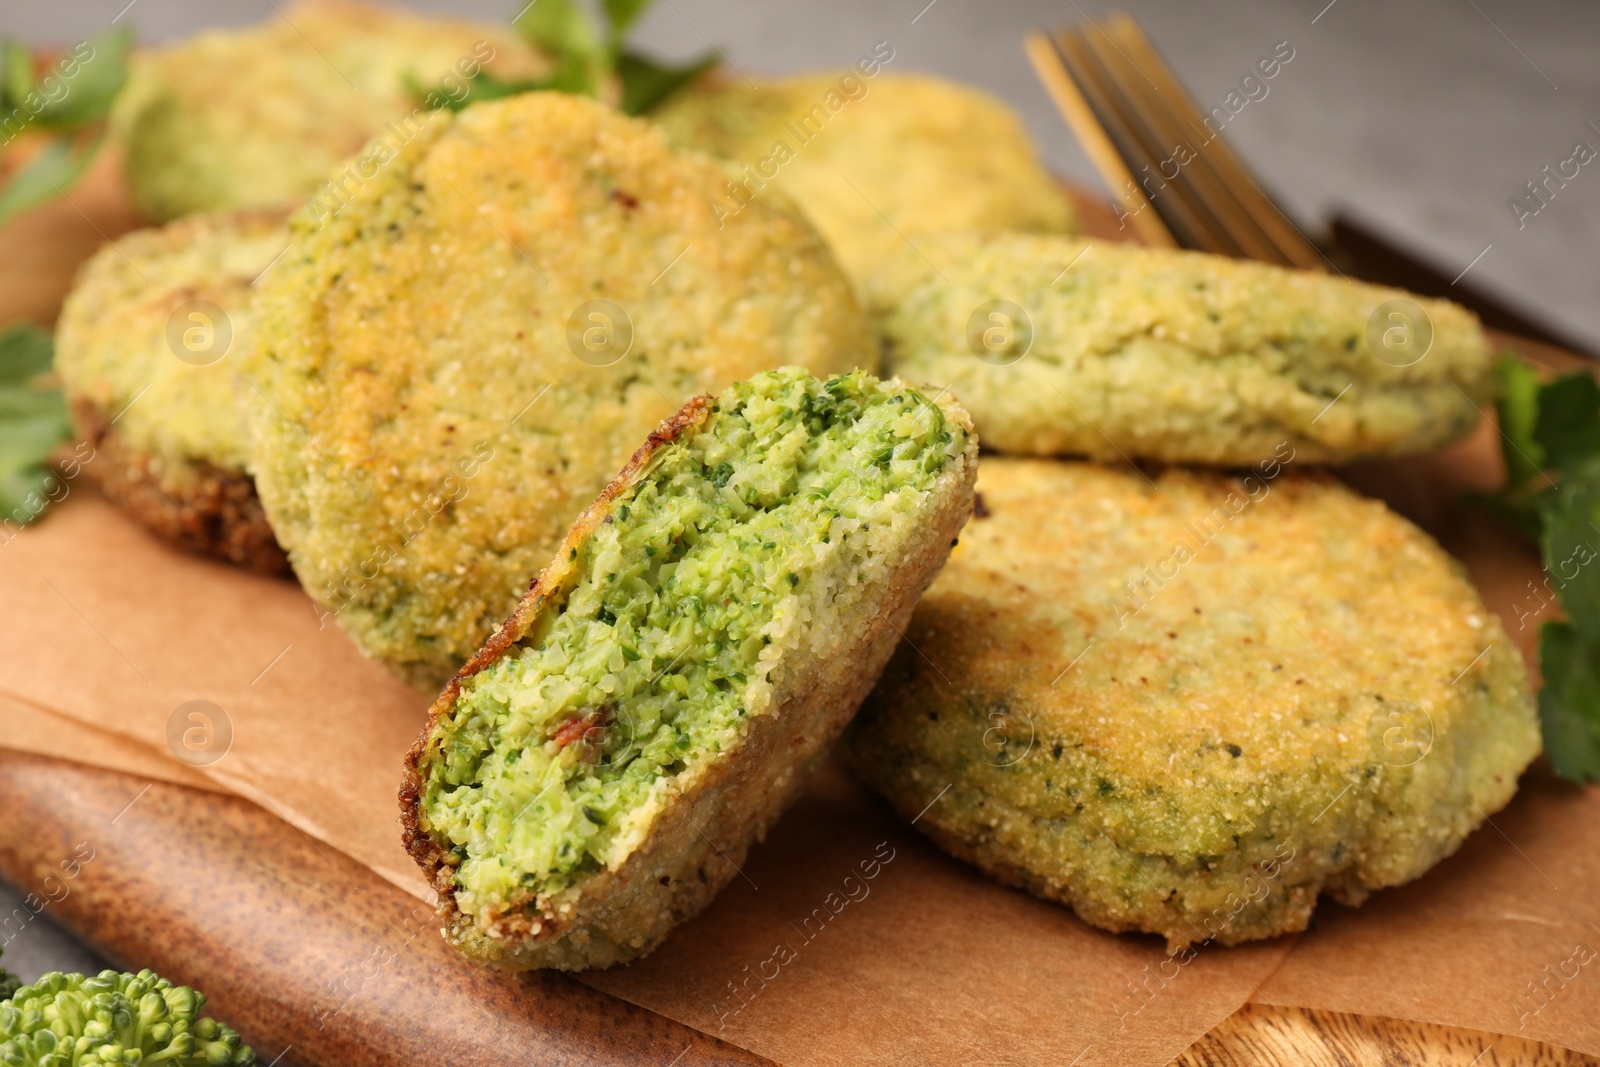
(570, 731)
(589, 728)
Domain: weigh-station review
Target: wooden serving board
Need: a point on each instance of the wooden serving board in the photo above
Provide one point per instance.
(214, 891)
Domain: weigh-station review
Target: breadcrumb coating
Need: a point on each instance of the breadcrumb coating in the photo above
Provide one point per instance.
(1064, 347)
(1192, 706)
(454, 360)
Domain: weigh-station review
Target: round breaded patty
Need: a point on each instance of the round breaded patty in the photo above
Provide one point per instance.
(455, 362)
(1190, 706)
(259, 116)
(146, 348)
(1064, 347)
(872, 160)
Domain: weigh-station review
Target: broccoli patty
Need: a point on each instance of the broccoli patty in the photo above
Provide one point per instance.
(600, 769)
(1065, 347)
(146, 348)
(873, 160)
(451, 365)
(1189, 707)
(259, 116)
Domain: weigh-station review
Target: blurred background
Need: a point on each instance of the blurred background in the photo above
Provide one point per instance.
(1418, 121)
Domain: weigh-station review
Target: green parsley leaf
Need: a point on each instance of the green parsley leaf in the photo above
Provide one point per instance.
(480, 86)
(622, 14)
(50, 173)
(87, 79)
(25, 353)
(646, 83)
(1519, 417)
(16, 73)
(585, 59)
(579, 74)
(1569, 421)
(33, 421)
(1570, 700)
(1570, 544)
(573, 77)
(558, 27)
(71, 98)
(1552, 447)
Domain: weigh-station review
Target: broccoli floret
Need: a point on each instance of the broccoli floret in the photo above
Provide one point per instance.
(71, 1020)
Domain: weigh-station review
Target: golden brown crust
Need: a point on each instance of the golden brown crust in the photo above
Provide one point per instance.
(195, 505)
(1188, 702)
(362, 407)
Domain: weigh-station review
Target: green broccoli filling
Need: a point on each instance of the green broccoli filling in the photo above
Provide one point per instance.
(661, 653)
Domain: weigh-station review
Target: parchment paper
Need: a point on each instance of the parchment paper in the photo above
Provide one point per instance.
(116, 634)
(1495, 938)
(846, 938)
(29, 728)
(104, 626)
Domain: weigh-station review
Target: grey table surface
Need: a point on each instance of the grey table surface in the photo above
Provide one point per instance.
(1423, 118)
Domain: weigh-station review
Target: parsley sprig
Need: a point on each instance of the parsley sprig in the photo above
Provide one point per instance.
(1551, 440)
(33, 421)
(67, 100)
(588, 59)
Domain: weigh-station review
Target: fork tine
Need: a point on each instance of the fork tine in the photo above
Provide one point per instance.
(1111, 111)
(1194, 177)
(1294, 246)
(1080, 117)
(1186, 210)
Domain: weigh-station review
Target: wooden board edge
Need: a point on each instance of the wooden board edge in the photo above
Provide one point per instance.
(1265, 1034)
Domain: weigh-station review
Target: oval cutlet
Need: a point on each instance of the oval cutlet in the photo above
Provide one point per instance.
(598, 771)
(872, 160)
(257, 116)
(430, 413)
(1175, 356)
(1189, 708)
(169, 441)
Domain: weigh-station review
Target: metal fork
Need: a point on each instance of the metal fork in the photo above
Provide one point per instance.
(1177, 181)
